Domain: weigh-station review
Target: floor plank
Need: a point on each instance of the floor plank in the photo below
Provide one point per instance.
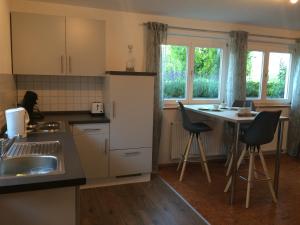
(151, 203)
(212, 202)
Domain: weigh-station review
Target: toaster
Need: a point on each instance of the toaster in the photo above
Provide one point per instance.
(97, 108)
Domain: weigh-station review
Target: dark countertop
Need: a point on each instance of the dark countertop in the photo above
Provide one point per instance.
(75, 117)
(73, 175)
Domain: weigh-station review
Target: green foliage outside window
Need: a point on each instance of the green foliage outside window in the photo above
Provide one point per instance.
(206, 72)
(275, 87)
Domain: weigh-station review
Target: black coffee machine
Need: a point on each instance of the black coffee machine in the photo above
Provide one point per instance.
(29, 102)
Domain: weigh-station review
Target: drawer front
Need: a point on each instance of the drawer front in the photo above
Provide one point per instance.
(130, 161)
(79, 129)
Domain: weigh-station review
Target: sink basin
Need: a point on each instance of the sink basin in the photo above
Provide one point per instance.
(28, 165)
(33, 158)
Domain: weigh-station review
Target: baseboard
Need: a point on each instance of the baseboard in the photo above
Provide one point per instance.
(104, 182)
(214, 158)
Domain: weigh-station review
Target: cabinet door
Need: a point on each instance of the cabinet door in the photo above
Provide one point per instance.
(85, 46)
(38, 44)
(93, 152)
(130, 161)
(132, 111)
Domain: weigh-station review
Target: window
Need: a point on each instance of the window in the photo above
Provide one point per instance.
(206, 72)
(254, 73)
(174, 70)
(192, 72)
(279, 65)
(268, 74)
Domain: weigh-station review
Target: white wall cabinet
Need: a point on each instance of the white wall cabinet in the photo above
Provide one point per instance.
(57, 45)
(38, 44)
(92, 142)
(129, 106)
(85, 44)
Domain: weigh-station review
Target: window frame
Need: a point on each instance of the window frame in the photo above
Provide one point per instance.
(191, 43)
(266, 49)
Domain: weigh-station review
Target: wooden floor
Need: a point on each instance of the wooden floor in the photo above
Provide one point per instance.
(152, 203)
(212, 203)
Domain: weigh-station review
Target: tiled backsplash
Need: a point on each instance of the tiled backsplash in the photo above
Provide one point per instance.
(7, 95)
(61, 93)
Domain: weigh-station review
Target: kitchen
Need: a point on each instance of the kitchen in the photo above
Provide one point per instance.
(64, 90)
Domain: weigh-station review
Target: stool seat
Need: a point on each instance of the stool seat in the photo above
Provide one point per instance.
(197, 127)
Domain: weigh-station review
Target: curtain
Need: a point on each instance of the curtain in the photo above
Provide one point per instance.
(293, 143)
(156, 34)
(236, 78)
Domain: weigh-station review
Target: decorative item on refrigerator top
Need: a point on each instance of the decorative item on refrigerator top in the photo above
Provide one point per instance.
(97, 108)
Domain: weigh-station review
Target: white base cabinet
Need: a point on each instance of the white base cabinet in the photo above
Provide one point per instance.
(92, 142)
(59, 206)
(130, 162)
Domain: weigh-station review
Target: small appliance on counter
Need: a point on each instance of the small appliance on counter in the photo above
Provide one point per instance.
(97, 109)
(29, 102)
(16, 122)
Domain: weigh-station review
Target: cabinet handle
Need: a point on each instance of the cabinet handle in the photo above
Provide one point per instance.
(70, 65)
(129, 154)
(62, 63)
(92, 129)
(114, 109)
(106, 143)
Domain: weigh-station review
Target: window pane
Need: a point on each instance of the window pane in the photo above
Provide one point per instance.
(277, 74)
(174, 71)
(206, 72)
(254, 73)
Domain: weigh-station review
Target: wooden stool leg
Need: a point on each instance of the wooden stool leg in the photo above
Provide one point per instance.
(230, 165)
(243, 153)
(263, 162)
(250, 173)
(201, 160)
(229, 155)
(182, 157)
(202, 154)
(186, 156)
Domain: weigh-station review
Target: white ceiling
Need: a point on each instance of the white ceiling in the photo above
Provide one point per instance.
(273, 13)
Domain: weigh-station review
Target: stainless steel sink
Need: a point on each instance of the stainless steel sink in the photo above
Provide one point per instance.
(33, 158)
(28, 165)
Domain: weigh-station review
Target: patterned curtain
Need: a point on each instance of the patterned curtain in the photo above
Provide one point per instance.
(236, 80)
(156, 34)
(293, 145)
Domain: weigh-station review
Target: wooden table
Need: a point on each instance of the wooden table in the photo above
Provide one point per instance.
(231, 116)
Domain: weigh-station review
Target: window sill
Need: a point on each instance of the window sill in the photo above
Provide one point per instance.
(257, 105)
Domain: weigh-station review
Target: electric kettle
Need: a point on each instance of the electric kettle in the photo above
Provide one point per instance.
(16, 122)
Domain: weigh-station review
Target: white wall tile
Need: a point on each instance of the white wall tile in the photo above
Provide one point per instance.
(62, 93)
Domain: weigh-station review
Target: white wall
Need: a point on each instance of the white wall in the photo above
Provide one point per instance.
(5, 57)
(7, 85)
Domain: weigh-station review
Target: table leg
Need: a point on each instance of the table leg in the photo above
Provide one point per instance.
(234, 162)
(277, 159)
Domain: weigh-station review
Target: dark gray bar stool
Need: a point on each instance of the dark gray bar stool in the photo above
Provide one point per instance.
(194, 129)
(260, 131)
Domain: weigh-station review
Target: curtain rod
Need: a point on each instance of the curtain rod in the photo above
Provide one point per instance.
(224, 32)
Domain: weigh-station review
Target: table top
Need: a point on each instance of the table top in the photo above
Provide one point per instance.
(225, 114)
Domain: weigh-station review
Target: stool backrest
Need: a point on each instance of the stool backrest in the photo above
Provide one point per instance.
(262, 129)
(244, 103)
(186, 122)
